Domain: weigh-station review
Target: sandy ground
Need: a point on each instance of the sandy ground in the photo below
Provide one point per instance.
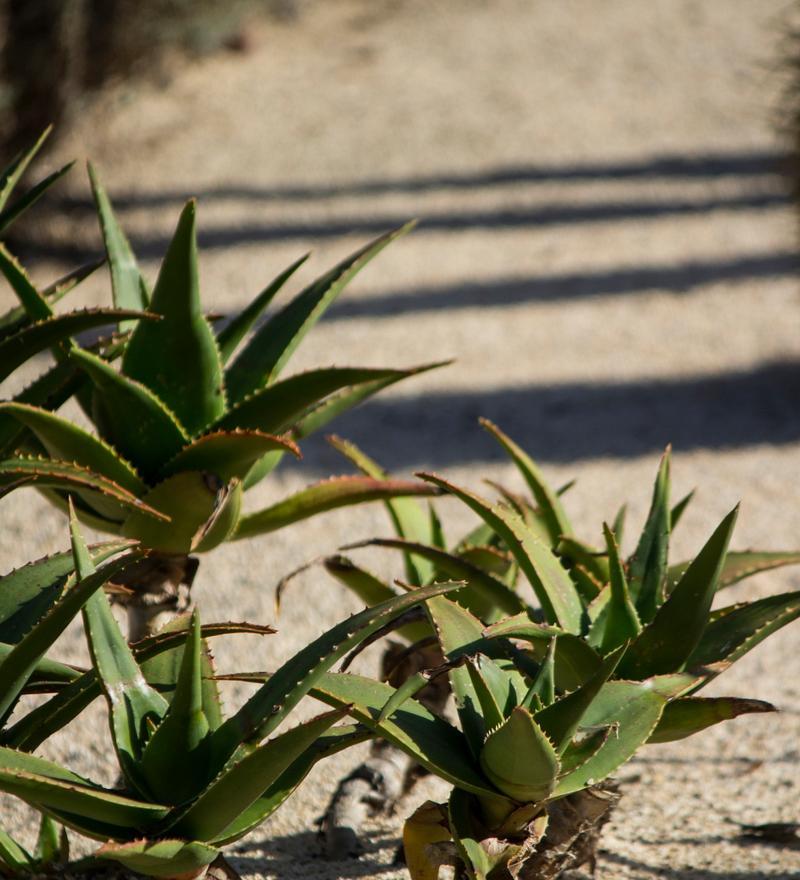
(606, 249)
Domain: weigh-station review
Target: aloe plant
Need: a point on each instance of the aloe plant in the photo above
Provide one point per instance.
(192, 780)
(190, 419)
(563, 658)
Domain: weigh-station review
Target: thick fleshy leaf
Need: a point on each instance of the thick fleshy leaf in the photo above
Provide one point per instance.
(688, 715)
(29, 732)
(238, 327)
(428, 739)
(132, 703)
(189, 500)
(17, 318)
(48, 841)
(679, 509)
(551, 583)
(271, 703)
(21, 661)
(47, 676)
(466, 837)
(243, 782)
(555, 517)
(618, 620)
(408, 517)
(738, 566)
(542, 691)
(333, 741)
(47, 785)
(175, 762)
(228, 454)
(132, 418)
(371, 590)
(64, 440)
(177, 358)
(160, 858)
(486, 594)
(127, 284)
(273, 344)
(520, 759)
(277, 407)
(13, 856)
(27, 593)
(667, 642)
(424, 832)
(327, 495)
(460, 634)
(49, 474)
(20, 206)
(561, 719)
(584, 747)
(735, 630)
(17, 349)
(16, 168)
(633, 709)
(34, 303)
(648, 565)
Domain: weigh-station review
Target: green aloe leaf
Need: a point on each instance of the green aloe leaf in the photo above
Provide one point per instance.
(13, 856)
(648, 565)
(736, 629)
(177, 358)
(48, 474)
(738, 566)
(234, 331)
(466, 837)
(689, 715)
(40, 723)
(561, 719)
(48, 675)
(17, 318)
(460, 633)
(428, 739)
(66, 441)
(330, 743)
(555, 517)
(228, 454)
(34, 303)
(35, 338)
(48, 841)
(48, 786)
(160, 858)
(584, 747)
(371, 590)
(520, 759)
(679, 509)
(633, 709)
(618, 621)
(542, 691)
(667, 642)
(127, 284)
(486, 594)
(269, 349)
(271, 703)
(245, 781)
(189, 501)
(131, 701)
(551, 583)
(22, 660)
(323, 496)
(16, 168)
(21, 205)
(277, 407)
(29, 592)
(408, 517)
(175, 763)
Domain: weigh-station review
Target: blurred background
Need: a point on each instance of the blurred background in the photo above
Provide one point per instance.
(607, 245)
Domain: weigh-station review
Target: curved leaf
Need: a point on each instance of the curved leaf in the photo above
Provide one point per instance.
(227, 454)
(327, 495)
(274, 343)
(177, 358)
(134, 420)
(160, 858)
(689, 715)
(738, 566)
